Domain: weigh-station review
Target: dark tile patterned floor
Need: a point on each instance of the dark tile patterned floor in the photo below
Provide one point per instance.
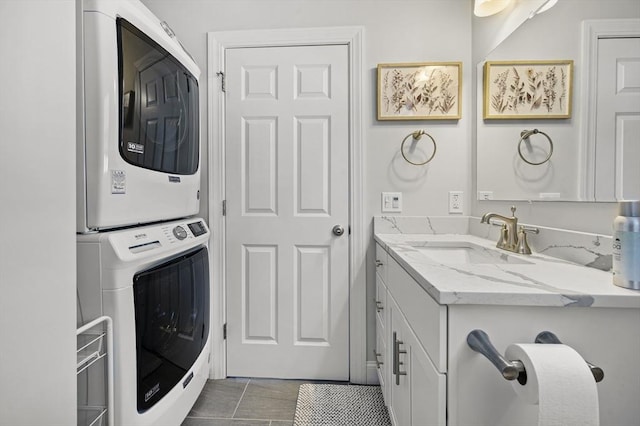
(246, 402)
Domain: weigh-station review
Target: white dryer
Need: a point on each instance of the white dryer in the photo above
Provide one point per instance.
(139, 126)
(153, 281)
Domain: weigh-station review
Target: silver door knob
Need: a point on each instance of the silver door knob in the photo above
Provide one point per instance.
(338, 230)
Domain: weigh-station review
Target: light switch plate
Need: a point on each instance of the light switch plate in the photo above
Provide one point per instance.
(391, 202)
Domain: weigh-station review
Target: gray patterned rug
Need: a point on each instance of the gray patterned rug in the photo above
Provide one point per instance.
(340, 405)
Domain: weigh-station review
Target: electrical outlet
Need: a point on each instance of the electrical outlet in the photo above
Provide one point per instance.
(485, 195)
(455, 202)
(391, 202)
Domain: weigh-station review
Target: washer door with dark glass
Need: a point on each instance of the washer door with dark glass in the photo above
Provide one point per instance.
(172, 323)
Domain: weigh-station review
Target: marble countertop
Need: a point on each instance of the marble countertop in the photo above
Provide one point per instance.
(541, 281)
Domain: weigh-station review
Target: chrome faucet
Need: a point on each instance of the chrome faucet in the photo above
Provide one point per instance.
(512, 238)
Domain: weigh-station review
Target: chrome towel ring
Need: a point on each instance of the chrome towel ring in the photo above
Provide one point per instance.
(417, 135)
(525, 135)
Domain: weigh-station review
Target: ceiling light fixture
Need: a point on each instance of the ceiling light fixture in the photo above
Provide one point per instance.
(484, 8)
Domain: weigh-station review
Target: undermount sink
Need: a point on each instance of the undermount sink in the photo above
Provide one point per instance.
(463, 252)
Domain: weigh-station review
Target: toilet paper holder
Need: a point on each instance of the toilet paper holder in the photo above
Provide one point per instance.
(549, 337)
(479, 341)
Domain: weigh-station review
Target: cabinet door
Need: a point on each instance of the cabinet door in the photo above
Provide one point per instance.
(382, 361)
(382, 350)
(418, 390)
(427, 386)
(400, 383)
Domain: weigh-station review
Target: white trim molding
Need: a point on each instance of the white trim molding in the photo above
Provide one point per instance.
(372, 373)
(216, 183)
(592, 31)
(218, 42)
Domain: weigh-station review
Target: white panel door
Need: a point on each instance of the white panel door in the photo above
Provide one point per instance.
(618, 119)
(287, 139)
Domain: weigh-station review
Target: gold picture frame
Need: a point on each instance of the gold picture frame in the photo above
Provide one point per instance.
(420, 91)
(527, 89)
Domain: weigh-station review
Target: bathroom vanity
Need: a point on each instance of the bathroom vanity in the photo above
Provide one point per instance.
(432, 290)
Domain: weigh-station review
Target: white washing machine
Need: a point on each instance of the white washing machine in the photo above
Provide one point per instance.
(153, 281)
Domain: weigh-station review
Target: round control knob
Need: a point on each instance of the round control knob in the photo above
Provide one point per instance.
(179, 232)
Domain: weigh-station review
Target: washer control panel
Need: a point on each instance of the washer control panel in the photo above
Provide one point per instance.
(144, 240)
(184, 230)
(197, 228)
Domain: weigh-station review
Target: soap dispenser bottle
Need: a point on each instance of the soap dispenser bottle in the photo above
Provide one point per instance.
(626, 245)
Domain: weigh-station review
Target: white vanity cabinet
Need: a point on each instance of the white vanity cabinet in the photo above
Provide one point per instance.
(606, 337)
(430, 376)
(381, 352)
(410, 333)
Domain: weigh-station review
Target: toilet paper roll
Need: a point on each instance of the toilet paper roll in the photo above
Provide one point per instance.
(560, 382)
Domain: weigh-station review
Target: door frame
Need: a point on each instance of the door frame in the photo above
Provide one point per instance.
(592, 31)
(217, 43)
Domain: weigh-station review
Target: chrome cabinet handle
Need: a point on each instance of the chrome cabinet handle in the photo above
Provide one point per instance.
(379, 263)
(395, 355)
(379, 306)
(396, 358)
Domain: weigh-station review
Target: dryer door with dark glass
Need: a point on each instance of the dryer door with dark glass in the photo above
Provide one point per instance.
(158, 106)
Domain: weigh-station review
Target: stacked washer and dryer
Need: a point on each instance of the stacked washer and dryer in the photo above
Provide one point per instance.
(142, 254)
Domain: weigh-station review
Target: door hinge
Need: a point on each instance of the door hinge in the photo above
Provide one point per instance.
(224, 207)
(222, 80)
(224, 332)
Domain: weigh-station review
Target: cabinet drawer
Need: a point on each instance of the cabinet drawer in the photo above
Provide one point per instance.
(381, 262)
(427, 319)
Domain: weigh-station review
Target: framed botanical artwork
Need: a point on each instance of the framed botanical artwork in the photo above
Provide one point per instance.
(527, 89)
(420, 91)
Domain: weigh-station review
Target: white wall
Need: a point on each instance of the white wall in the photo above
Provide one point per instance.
(395, 31)
(568, 15)
(37, 213)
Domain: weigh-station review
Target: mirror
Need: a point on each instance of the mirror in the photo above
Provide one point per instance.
(585, 164)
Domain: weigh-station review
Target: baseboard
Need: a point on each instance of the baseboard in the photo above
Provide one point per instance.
(372, 373)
